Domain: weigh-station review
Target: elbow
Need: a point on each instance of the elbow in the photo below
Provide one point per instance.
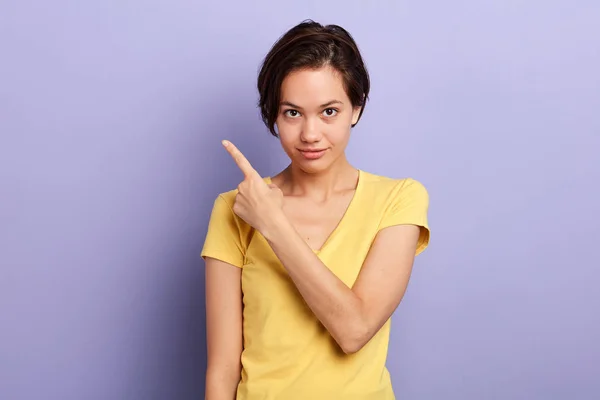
(353, 340)
(355, 333)
(222, 380)
(351, 348)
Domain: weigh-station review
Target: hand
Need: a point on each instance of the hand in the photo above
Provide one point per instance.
(257, 203)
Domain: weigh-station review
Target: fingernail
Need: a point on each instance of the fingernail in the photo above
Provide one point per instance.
(224, 143)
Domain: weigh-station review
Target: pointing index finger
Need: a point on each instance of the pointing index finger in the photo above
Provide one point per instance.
(241, 161)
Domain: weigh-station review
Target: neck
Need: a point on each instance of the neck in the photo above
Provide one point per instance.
(341, 176)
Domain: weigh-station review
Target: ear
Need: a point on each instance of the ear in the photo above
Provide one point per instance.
(276, 128)
(355, 114)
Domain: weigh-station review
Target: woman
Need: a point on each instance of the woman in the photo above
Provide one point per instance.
(304, 269)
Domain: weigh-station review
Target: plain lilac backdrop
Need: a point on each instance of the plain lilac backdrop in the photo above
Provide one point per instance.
(111, 113)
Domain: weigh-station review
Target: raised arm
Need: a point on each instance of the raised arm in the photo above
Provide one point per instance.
(223, 329)
(351, 315)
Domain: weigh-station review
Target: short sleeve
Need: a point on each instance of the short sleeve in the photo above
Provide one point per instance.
(410, 204)
(224, 235)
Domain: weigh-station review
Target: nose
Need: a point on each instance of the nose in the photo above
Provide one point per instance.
(310, 131)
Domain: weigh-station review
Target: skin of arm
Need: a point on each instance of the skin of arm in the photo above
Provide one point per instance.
(224, 329)
(351, 315)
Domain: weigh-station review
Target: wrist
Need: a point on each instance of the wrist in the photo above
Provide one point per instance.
(275, 226)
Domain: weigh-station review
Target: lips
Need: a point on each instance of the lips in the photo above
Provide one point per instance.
(312, 154)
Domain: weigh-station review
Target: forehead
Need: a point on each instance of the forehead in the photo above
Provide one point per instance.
(310, 87)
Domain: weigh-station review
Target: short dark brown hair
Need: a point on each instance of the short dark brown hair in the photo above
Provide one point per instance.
(310, 45)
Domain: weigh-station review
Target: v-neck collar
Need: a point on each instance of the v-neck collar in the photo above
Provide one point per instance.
(344, 217)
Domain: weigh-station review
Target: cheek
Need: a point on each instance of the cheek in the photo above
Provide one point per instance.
(339, 136)
(286, 142)
(287, 136)
(339, 133)
(287, 131)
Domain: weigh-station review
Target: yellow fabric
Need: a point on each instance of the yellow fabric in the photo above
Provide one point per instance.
(288, 354)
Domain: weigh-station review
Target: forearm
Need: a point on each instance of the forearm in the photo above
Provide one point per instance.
(338, 308)
(221, 385)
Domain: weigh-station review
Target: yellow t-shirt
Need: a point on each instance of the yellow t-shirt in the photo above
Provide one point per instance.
(288, 354)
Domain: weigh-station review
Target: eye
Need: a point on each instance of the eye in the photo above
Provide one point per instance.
(291, 113)
(330, 112)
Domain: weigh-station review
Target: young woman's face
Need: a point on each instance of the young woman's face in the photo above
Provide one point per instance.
(315, 118)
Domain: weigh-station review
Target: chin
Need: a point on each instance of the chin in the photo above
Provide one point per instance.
(313, 166)
(311, 169)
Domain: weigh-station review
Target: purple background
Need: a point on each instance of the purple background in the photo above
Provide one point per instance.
(111, 113)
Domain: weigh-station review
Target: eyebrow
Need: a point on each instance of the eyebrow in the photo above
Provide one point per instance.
(329, 103)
